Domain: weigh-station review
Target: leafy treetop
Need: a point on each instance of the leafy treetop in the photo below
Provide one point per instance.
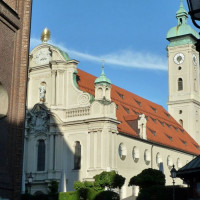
(147, 178)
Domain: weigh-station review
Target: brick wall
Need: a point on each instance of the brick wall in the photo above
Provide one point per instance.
(14, 45)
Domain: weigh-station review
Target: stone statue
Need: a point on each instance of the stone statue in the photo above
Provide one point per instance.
(42, 92)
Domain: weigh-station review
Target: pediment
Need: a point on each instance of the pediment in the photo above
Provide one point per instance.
(46, 53)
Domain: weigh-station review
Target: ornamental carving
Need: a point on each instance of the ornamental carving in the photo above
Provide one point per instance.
(38, 121)
(84, 99)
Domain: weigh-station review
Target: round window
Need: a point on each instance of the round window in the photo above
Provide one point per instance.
(135, 154)
(169, 162)
(122, 151)
(147, 156)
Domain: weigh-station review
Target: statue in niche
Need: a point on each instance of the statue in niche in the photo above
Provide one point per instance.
(38, 121)
(43, 92)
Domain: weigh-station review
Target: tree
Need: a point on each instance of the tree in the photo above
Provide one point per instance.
(147, 178)
(109, 180)
(151, 183)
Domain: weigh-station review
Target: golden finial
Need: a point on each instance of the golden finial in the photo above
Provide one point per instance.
(45, 36)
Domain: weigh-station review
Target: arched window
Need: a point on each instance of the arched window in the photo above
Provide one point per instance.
(77, 155)
(41, 156)
(181, 122)
(100, 93)
(180, 84)
(107, 94)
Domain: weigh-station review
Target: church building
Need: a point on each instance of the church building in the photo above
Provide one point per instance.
(79, 125)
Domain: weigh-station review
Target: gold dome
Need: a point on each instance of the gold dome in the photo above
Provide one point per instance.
(45, 36)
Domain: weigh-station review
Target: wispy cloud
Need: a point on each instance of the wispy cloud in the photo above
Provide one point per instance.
(125, 58)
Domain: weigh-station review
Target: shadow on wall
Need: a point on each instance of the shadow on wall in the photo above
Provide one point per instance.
(11, 148)
(49, 155)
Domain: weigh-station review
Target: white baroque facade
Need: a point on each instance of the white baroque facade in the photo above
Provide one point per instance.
(78, 126)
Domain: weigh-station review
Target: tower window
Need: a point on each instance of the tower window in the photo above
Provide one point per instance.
(181, 122)
(180, 111)
(180, 84)
(179, 68)
(41, 156)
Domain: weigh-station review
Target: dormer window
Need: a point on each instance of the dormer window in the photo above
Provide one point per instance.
(138, 102)
(137, 113)
(153, 132)
(169, 137)
(126, 109)
(196, 146)
(154, 109)
(162, 123)
(184, 142)
(167, 114)
(120, 95)
(154, 120)
(169, 126)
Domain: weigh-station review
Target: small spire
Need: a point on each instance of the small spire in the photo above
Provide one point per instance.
(102, 78)
(45, 36)
(181, 14)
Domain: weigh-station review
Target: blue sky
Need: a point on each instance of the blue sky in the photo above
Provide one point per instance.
(130, 35)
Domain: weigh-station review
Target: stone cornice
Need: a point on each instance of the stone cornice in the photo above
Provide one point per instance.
(183, 101)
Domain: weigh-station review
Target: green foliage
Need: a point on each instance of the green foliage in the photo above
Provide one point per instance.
(107, 195)
(78, 185)
(81, 194)
(108, 179)
(148, 177)
(68, 196)
(53, 188)
(91, 195)
(85, 184)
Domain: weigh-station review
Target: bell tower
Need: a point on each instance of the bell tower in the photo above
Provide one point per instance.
(183, 71)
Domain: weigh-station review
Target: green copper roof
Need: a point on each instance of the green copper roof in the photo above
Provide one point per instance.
(182, 29)
(64, 54)
(102, 78)
(181, 10)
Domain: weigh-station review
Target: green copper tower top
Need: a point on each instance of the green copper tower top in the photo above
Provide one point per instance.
(182, 14)
(102, 79)
(183, 31)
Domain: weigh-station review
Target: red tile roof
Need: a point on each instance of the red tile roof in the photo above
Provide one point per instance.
(162, 128)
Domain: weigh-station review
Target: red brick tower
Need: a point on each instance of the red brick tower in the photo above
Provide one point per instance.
(15, 16)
